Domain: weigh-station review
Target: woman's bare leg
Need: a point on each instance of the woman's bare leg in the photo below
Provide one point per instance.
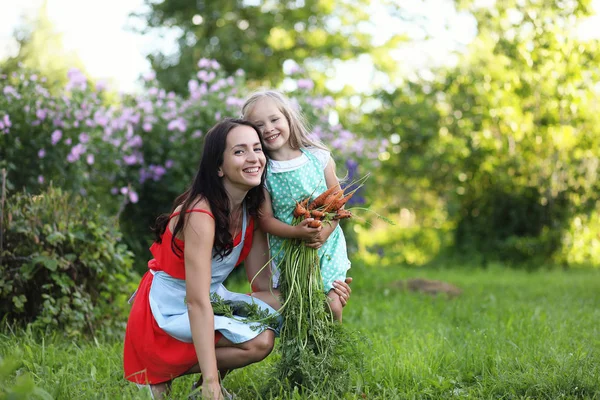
(160, 390)
(236, 355)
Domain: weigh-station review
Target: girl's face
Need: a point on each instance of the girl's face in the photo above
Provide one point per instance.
(272, 123)
(243, 159)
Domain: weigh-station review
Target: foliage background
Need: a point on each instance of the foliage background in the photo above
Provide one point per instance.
(493, 158)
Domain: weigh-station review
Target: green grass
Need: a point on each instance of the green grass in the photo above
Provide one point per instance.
(510, 335)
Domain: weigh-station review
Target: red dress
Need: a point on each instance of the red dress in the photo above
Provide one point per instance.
(150, 355)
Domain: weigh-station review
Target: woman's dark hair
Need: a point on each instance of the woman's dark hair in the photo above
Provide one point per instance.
(208, 185)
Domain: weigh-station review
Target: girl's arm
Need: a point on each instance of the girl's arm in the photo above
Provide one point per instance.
(258, 270)
(199, 235)
(269, 224)
(331, 180)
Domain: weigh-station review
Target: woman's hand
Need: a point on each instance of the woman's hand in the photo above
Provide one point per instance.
(321, 236)
(212, 391)
(343, 290)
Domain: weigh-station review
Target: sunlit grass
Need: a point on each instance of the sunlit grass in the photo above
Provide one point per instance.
(509, 335)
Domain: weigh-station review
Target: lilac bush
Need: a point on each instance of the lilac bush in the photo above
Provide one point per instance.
(140, 150)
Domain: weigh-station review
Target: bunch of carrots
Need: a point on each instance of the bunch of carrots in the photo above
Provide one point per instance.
(308, 332)
(328, 206)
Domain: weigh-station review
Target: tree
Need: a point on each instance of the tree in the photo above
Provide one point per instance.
(41, 49)
(259, 37)
(509, 139)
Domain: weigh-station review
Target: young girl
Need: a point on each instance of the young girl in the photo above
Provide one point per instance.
(298, 167)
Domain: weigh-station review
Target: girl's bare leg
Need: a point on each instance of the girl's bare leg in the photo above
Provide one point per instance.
(335, 305)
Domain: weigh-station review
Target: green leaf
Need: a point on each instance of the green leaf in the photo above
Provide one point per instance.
(47, 262)
(55, 237)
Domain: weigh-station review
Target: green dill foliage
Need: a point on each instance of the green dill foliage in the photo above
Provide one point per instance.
(318, 355)
(250, 312)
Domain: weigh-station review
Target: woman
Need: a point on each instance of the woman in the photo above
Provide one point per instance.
(172, 330)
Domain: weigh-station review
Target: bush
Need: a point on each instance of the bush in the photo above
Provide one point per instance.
(397, 245)
(62, 266)
(142, 150)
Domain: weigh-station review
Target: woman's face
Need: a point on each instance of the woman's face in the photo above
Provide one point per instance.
(243, 159)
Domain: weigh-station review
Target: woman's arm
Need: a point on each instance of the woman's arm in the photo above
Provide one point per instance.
(199, 235)
(268, 223)
(258, 270)
(331, 180)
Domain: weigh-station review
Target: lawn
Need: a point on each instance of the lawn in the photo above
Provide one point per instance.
(510, 335)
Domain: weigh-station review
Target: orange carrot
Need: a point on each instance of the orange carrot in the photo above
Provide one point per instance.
(331, 199)
(299, 210)
(337, 205)
(315, 223)
(316, 214)
(320, 200)
(342, 214)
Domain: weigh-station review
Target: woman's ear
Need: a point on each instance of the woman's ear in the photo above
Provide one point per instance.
(220, 173)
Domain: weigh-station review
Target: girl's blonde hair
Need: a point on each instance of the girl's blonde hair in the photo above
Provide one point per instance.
(299, 136)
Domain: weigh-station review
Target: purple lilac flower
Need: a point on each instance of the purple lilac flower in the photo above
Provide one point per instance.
(55, 137)
(169, 164)
(101, 85)
(295, 69)
(203, 63)
(158, 172)
(77, 79)
(177, 124)
(135, 141)
(84, 137)
(42, 153)
(68, 141)
(150, 76)
(130, 159)
(9, 90)
(6, 121)
(114, 190)
(40, 179)
(197, 134)
(133, 197)
(305, 84)
(41, 114)
(147, 127)
(90, 159)
(76, 152)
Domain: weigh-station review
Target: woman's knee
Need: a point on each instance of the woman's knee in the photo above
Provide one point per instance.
(262, 345)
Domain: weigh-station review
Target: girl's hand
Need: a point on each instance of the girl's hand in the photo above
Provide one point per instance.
(305, 232)
(343, 290)
(212, 391)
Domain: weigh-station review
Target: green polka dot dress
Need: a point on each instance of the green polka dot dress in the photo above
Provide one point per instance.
(294, 180)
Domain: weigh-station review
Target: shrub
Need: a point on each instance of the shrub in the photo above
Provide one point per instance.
(62, 266)
(397, 245)
(142, 149)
